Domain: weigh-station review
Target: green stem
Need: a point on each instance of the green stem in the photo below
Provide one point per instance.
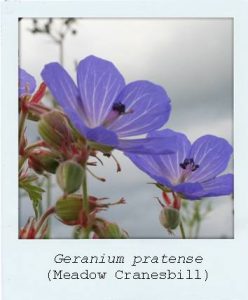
(44, 217)
(85, 203)
(197, 230)
(190, 231)
(22, 119)
(36, 144)
(48, 200)
(182, 230)
(85, 193)
(40, 209)
(22, 160)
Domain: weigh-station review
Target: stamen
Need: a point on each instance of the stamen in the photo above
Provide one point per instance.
(115, 159)
(91, 163)
(117, 163)
(102, 199)
(94, 155)
(97, 177)
(120, 201)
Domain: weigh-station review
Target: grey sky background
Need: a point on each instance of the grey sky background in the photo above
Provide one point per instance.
(192, 60)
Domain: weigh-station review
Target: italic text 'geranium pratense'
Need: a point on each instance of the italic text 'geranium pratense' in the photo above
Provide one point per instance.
(107, 111)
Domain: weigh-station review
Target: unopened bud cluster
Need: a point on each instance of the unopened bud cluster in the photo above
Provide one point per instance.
(64, 152)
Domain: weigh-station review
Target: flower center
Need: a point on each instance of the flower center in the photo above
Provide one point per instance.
(118, 109)
(189, 164)
(188, 167)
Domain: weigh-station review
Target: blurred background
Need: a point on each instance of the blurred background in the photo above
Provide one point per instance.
(191, 58)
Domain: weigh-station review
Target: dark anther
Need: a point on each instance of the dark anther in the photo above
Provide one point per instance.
(189, 162)
(195, 167)
(119, 107)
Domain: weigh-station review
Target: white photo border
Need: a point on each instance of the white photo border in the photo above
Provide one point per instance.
(26, 263)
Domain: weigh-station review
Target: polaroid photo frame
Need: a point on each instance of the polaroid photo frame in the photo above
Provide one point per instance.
(215, 268)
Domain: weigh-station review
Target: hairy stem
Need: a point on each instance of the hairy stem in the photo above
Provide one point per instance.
(182, 230)
(44, 217)
(22, 119)
(22, 160)
(85, 193)
(48, 203)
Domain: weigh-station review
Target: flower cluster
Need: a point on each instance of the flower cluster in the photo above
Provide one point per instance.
(102, 113)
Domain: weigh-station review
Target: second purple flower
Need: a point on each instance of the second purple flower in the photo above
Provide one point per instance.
(195, 170)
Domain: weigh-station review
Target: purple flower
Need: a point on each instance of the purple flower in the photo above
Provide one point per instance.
(27, 83)
(193, 169)
(106, 110)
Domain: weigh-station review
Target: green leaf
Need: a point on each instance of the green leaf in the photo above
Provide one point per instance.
(34, 193)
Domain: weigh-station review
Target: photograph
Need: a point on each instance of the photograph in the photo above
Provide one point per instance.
(125, 128)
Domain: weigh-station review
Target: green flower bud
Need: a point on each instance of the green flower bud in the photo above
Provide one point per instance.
(113, 231)
(55, 130)
(69, 176)
(68, 209)
(107, 230)
(43, 160)
(169, 217)
(80, 233)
